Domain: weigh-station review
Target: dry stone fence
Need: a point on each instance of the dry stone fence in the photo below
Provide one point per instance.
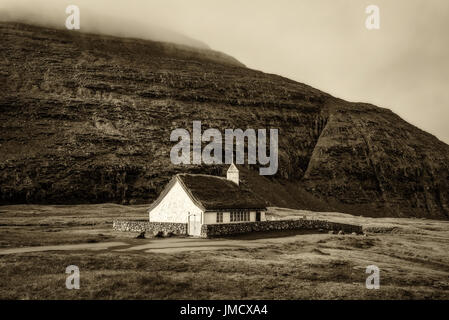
(219, 230)
(150, 227)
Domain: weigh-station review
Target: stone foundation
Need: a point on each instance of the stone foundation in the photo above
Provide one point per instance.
(150, 227)
(217, 230)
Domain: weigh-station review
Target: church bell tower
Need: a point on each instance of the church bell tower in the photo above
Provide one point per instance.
(233, 174)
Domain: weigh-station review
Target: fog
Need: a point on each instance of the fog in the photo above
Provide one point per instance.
(403, 66)
(118, 18)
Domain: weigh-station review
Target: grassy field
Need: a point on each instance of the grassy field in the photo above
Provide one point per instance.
(412, 254)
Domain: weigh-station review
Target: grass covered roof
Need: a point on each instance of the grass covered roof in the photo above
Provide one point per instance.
(217, 193)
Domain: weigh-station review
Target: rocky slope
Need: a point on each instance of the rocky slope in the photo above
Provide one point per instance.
(87, 118)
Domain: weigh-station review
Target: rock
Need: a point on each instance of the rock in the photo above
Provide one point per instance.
(341, 232)
(137, 226)
(141, 235)
(354, 234)
(158, 234)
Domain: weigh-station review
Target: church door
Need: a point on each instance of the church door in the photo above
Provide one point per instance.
(194, 225)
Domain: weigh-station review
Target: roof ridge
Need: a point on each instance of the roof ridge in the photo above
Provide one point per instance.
(200, 174)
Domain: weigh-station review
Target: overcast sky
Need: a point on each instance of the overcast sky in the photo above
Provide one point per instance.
(403, 66)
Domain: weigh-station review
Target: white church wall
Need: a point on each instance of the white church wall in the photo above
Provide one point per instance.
(175, 207)
(252, 216)
(210, 217)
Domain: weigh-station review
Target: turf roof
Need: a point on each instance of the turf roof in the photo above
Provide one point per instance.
(217, 193)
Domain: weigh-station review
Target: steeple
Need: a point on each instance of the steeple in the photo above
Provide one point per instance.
(233, 174)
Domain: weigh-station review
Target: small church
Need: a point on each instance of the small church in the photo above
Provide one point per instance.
(197, 199)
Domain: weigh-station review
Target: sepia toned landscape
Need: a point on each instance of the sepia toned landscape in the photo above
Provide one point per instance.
(106, 166)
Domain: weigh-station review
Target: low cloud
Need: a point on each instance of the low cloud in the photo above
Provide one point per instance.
(101, 17)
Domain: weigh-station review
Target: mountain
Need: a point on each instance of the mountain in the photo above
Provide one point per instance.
(87, 118)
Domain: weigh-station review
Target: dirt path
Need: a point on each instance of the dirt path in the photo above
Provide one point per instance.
(172, 245)
(67, 247)
(179, 245)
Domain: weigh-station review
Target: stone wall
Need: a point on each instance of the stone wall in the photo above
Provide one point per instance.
(217, 230)
(150, 227)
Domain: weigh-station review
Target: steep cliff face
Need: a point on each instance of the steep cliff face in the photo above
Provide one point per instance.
(87, 118)
(368, 155)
